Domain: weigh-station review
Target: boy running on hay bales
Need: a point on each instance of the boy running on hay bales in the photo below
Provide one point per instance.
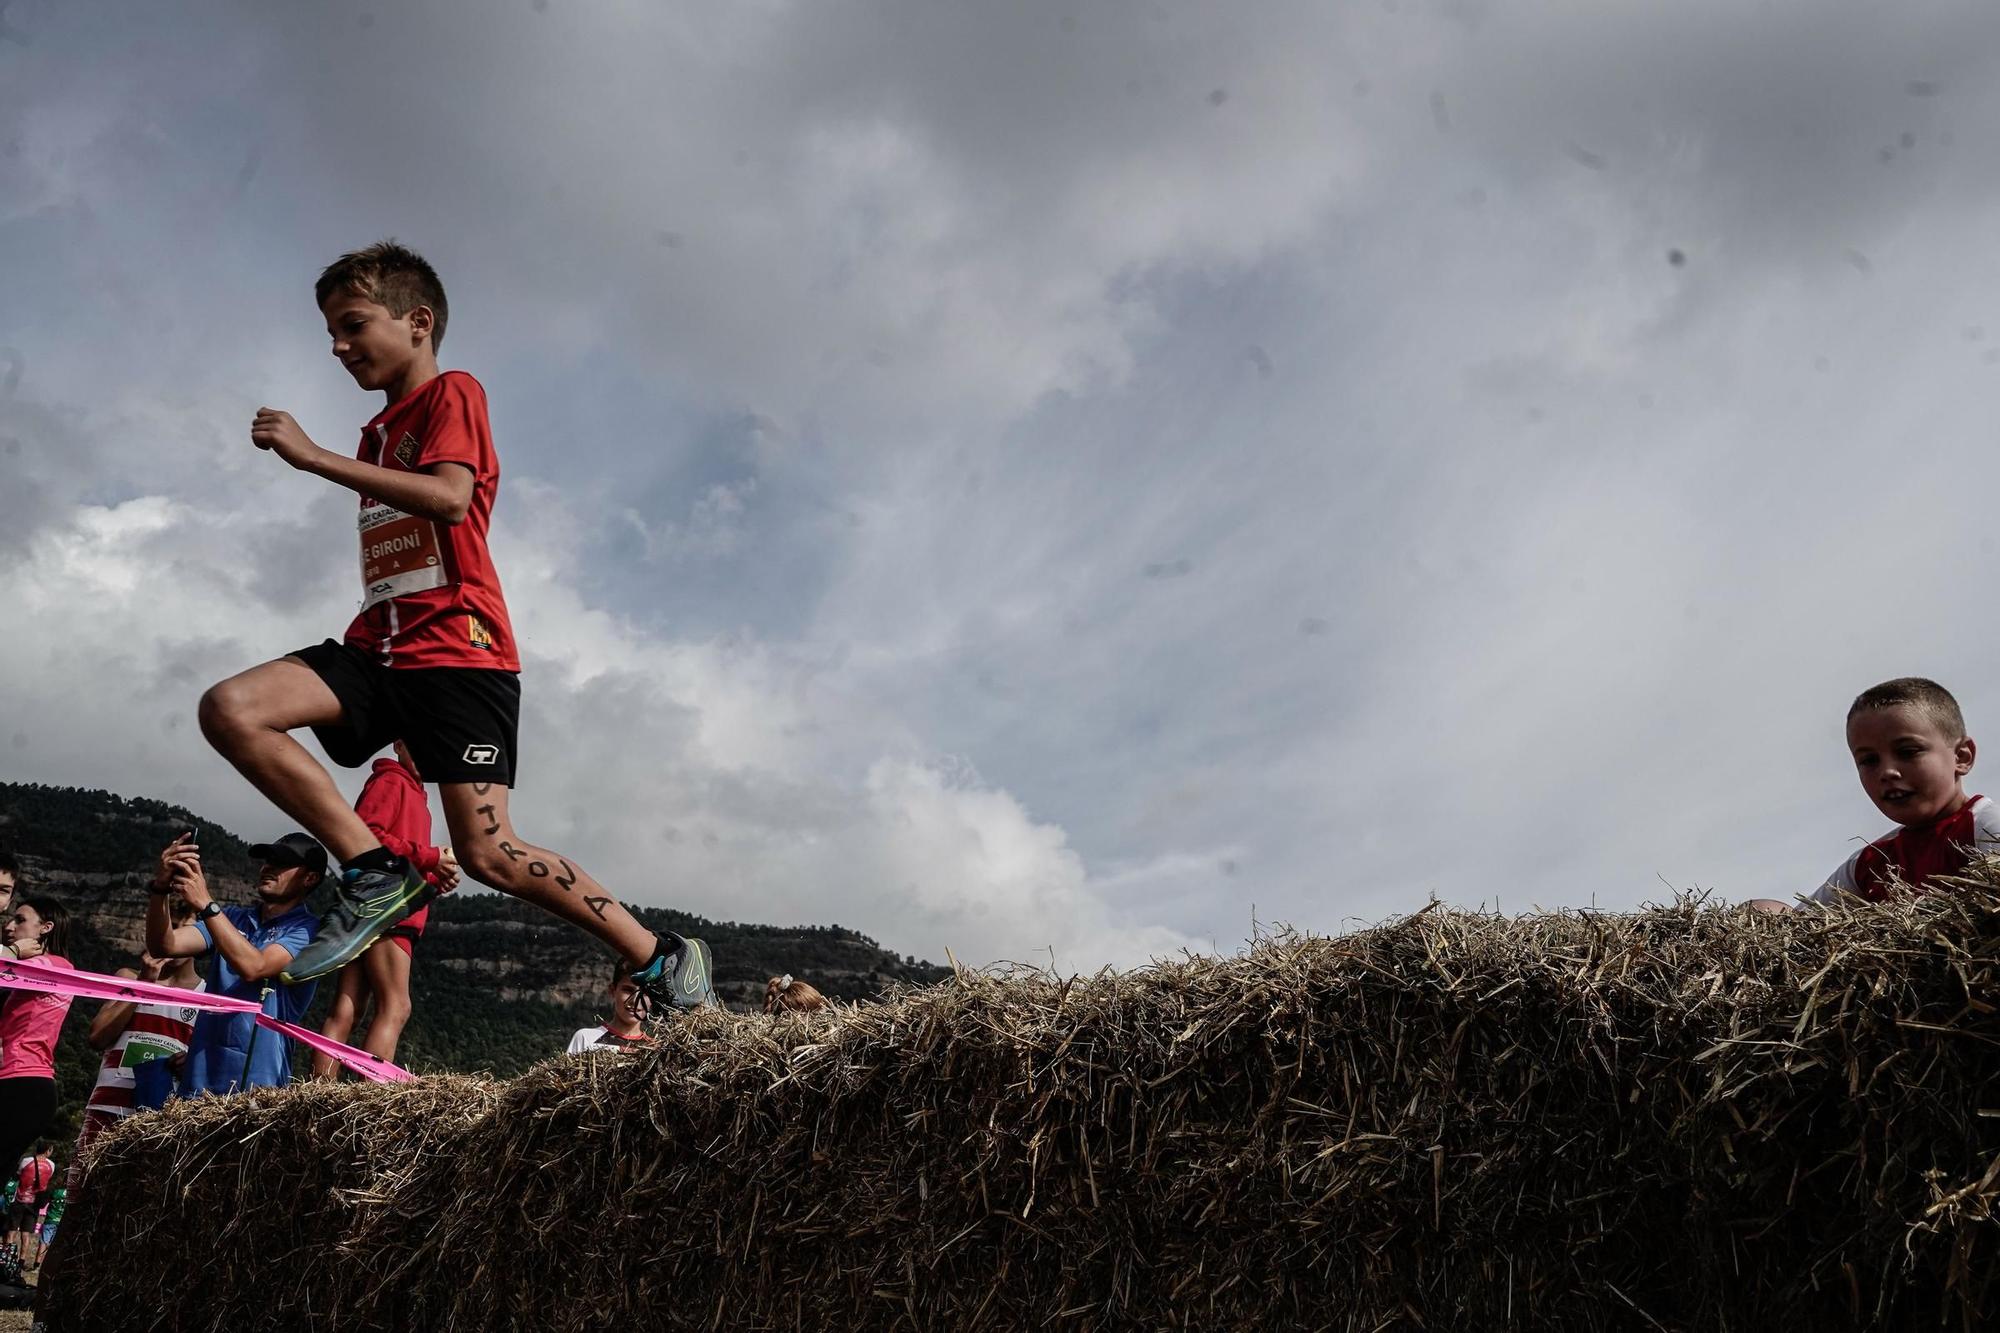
(431, 658)
(1911, 752)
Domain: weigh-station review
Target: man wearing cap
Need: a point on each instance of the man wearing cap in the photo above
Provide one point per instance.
(247, 948)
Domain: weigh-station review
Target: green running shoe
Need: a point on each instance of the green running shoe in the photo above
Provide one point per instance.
(680, 976)
(366, 904)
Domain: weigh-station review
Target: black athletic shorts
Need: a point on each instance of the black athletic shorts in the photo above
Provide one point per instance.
(459, 722)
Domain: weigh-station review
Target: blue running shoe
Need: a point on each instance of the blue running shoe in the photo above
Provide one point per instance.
(679, 977)
(366, 904)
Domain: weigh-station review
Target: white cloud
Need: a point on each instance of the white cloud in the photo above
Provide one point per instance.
(1311, 456)
(710, 777)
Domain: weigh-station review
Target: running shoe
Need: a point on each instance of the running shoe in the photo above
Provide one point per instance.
(366, 904)
(679, 977)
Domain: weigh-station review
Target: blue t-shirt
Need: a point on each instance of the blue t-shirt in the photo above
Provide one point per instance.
(217, 1050)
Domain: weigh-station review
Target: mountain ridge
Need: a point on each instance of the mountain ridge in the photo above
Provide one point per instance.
(497, 984)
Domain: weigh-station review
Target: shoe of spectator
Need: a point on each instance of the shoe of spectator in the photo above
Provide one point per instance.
(680, 975)
(366, 903)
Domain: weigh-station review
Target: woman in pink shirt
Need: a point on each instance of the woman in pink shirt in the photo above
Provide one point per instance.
(30, 1022)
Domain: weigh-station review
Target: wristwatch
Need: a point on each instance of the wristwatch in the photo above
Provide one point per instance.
(210, 910)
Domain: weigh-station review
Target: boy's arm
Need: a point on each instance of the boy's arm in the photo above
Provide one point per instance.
(441, 492)
(163, 938)
(113, 1018)
(1839, 882)
(250, 962)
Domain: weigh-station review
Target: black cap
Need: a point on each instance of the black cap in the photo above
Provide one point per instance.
(294, 849)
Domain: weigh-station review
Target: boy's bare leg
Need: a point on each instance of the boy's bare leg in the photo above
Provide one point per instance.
(388, 969)
(340, 1017)
(246, 719)
(491, 852)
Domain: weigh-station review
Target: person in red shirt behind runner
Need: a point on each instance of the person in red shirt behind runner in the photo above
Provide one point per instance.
(392, 804)
(431, 657)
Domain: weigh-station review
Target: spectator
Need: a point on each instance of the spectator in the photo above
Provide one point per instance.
(52, 1218)
(783, 993)
(628, 1014)
(24, 1215)
(30, 1022)
(132, 1037)
(10, 876)
(393, 806)
(247, 948)
(1910, 749)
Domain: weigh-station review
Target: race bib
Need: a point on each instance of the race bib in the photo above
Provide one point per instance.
(141, 1047)
(399, 554)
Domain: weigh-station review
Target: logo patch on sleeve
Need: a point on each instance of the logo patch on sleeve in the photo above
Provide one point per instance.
(477, 634)
(481, 754)
(406, 450)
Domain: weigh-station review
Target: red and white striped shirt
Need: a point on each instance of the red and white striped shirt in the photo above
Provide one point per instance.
(156, 1032)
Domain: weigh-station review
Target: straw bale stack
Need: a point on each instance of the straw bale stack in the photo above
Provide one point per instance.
(1683, 1118)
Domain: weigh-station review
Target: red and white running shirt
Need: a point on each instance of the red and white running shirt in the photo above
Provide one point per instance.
(1913, 855)
(430, 596)
(156, 1032)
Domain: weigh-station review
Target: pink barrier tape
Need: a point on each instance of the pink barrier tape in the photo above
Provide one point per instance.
(372, 1067)
(26, 974)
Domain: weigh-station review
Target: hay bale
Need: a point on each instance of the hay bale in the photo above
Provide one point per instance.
(223, 1204)
(1681, 1118)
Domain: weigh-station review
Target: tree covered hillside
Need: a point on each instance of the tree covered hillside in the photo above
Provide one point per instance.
(497, 984)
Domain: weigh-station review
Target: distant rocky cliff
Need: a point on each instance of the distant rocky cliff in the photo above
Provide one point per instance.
(497, 984)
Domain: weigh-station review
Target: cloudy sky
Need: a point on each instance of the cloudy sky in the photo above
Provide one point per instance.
(1047, 480)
